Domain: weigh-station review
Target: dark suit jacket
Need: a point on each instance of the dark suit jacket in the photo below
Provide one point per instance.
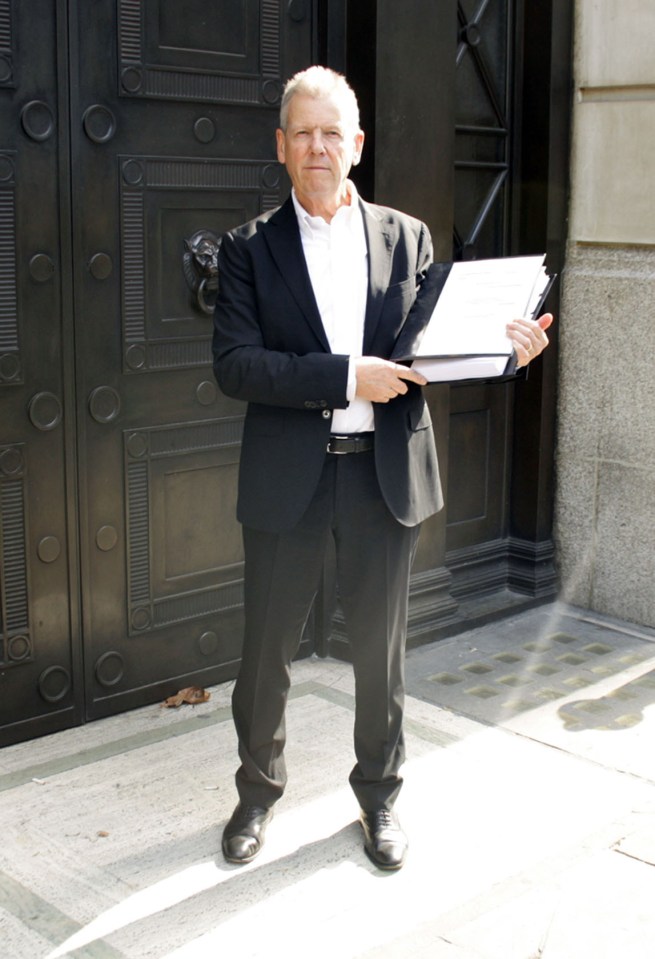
(271, 350)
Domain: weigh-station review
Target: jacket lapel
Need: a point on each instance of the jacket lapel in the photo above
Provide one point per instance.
(380, 239)
(283, 238)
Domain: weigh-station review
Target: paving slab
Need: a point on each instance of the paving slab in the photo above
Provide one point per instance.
(556, 674)
(532, 834)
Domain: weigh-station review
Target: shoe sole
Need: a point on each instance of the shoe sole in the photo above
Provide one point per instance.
(239, 862)
(387, 867)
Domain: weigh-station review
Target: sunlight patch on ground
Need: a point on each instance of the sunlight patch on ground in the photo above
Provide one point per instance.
(292, 831)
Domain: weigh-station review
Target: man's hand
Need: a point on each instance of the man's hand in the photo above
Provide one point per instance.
(381, 380)
(529, 337)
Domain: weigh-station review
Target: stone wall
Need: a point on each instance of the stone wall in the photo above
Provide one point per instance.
(605, 508)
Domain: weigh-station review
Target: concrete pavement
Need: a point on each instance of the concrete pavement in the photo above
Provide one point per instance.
(529, 803)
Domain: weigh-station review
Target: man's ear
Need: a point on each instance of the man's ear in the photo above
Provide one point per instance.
(279, 139)
(359, 146)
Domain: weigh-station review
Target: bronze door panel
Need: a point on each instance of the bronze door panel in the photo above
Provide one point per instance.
(39, 642)
(131, 133)
(174, 138)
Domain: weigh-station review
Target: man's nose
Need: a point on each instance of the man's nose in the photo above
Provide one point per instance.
(317, 144)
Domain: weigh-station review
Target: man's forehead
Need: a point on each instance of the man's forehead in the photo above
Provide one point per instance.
(326, 109)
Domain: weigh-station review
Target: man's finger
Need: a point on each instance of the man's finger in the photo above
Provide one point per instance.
(404, 373)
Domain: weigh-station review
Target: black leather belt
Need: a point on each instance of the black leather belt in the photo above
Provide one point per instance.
(350, 443)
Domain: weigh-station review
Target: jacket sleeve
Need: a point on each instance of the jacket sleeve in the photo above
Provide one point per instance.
(248, 368)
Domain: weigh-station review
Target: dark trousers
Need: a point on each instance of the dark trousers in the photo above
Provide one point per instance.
(282, 572)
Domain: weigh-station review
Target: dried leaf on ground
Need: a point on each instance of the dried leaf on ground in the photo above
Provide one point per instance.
(192, 695)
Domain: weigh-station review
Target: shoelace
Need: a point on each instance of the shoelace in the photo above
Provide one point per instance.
(249, 812)
(383, 818)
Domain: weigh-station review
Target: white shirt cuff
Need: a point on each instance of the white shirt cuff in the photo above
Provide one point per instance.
(351, 387)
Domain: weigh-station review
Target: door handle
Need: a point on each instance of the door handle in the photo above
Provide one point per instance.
(200, 265)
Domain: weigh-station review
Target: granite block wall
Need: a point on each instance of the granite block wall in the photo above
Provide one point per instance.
(605, 504)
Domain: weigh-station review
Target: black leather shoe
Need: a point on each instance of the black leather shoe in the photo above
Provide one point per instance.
(243, 836)
(384, 841)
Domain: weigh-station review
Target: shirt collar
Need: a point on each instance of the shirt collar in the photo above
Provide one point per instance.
(311, 224)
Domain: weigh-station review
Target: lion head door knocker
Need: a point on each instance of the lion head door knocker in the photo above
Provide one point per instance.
(200, 264)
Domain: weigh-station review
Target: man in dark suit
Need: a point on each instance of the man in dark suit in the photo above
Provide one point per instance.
(337, 442)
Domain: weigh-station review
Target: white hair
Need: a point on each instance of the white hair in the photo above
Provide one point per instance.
(320, 82)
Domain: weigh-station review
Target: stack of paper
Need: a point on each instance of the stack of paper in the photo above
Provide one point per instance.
(464, 335)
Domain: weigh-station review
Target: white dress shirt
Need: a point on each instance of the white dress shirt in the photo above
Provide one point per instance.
(337, 261)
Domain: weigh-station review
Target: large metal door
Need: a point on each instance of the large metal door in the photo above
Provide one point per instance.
(173, 140)
(39, 638)
(479, 467)
(469, 137)
(169, 112)
(486, 551)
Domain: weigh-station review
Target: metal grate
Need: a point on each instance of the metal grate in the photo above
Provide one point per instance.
(483, 127)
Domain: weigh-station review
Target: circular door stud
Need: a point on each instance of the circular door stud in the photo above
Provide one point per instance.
(42, 267)
(48, 549)
(37, 120)
(44, 411)
(54, 684)
(110, 668)
(104, 404)
(99, 123)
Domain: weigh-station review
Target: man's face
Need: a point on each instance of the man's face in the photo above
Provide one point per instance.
(318, 149)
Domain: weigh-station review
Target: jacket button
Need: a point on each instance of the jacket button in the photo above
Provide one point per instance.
(326, 414)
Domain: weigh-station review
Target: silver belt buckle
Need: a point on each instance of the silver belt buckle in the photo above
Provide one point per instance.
(336, 452)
